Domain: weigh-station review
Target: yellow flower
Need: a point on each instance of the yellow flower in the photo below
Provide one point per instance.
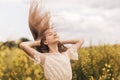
(28, 78)
(109, 66)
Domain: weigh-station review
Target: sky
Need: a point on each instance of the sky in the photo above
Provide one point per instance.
(95, 21)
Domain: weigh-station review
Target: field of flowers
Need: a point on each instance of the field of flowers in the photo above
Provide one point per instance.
(95, 63)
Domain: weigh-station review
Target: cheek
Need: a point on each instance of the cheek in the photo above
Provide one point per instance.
(49, 37)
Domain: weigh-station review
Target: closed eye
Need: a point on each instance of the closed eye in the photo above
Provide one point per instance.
(49, 34)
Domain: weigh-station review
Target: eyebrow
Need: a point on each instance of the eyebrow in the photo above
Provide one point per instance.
(48, 33)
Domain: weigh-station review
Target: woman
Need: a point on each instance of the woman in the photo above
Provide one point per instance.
(51, 54)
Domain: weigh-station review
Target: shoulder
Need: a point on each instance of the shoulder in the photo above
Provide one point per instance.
(72, 52)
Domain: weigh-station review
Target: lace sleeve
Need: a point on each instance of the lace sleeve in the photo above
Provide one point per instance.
(72, 53)
(37, 57)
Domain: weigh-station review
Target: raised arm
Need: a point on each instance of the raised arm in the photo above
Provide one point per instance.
(27, 47)
(77, 42)
(72, 51)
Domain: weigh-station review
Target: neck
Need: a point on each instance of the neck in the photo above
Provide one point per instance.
(53, 48)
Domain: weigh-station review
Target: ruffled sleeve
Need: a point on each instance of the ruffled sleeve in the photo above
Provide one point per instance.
(37, 57)
(72, 53)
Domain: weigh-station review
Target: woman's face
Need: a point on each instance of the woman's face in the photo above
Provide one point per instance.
(51, 36)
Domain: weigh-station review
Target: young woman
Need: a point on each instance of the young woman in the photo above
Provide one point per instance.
(51, 54)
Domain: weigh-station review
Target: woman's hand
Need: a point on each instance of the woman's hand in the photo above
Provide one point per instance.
(38, 42)
(60, 42)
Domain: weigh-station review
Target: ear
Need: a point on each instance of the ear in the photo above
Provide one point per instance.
(45, 42)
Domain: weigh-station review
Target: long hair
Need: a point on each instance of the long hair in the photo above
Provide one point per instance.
(38, 23)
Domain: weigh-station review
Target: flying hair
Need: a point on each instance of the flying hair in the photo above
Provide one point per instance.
(39, 21)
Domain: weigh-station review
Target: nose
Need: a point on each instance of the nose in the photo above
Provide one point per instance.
(55, 34)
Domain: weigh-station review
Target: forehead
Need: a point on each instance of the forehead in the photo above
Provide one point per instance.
(49, 31)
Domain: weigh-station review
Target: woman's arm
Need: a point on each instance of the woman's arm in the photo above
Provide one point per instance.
(72, 51)
(77, 42)
(27, 47)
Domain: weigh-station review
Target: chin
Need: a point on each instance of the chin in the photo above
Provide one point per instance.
(57, 40)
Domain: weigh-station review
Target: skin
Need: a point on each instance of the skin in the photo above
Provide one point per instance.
(52, 39)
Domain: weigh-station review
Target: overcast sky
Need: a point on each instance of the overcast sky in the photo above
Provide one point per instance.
(97, 21)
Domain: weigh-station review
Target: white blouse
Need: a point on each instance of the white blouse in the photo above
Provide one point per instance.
(57, 66)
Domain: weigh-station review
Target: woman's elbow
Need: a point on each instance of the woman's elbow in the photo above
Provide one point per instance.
(81, 41)
(22, 44)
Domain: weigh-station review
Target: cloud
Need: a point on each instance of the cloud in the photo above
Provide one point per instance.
(96, 24)
(9, 1)
(92, 20)
(100, 3)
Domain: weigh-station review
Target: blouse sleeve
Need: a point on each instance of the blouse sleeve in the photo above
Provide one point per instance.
(72, 53)
(37, 57)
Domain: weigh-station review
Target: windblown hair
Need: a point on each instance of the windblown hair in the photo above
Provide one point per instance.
(38, 23)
